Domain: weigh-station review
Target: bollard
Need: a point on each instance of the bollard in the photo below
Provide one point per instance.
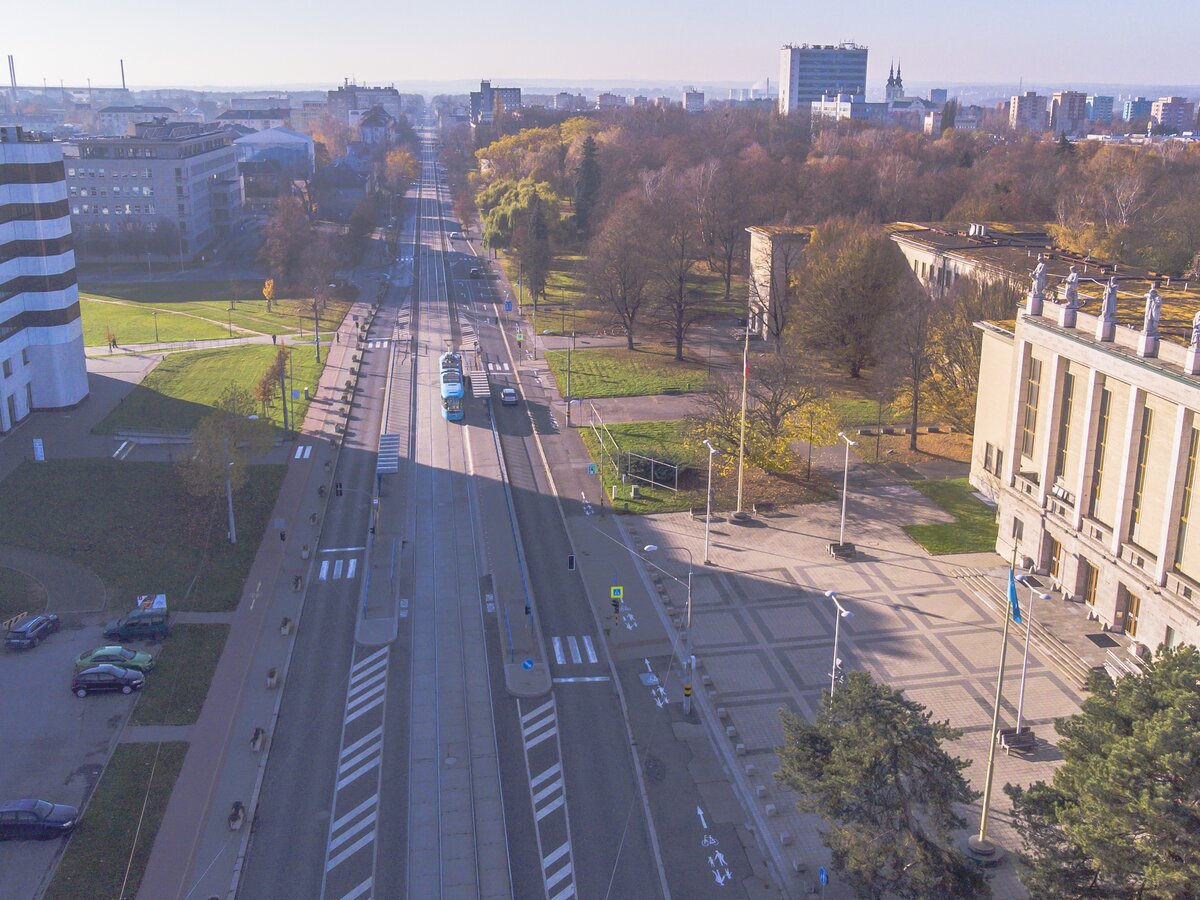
(257, 739)
(272, 678)
(237, 815)
(285, 627)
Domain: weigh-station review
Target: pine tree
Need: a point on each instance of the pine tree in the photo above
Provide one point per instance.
(587, 186)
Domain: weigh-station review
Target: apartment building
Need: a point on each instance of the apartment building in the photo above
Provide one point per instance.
(1136, 108)
(485, 101)
(693, 101)
(184, 175)
(1027, 112)
(119, 120)
(257, 118)
(809, 71)
(1087, 434)
(1173, 113)
(42, 363)
(1068, 112)
(1100, 108)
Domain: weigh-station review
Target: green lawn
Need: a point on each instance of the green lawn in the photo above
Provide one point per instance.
(176, 689)
(127, 806)
(658, 439)
(612, 372)
(857, 412)
(975, 528)
(19, 594)
(138, 529)
(180, 391)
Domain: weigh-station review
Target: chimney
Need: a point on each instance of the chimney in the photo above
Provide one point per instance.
(122, 74)
(12, 75)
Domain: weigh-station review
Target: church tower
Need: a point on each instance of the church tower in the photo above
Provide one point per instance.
(895, 84)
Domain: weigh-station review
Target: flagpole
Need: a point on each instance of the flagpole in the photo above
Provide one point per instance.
(742, 437)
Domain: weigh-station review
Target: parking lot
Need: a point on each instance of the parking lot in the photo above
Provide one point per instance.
(55, 744)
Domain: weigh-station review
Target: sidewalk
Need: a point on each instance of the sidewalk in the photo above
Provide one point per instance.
(194, 843)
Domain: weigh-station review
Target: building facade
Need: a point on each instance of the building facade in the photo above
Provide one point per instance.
(42, 363)
(1100, 108)
(1087, 434)
(485, 101)
(693, 101)
(119, 120)
(1173, 113)
(1027, 112)
(182, 174)
(776, 256)
(1137, 108)
(294, 152)
(257, 118)
(1068, 112)
(350, 97)
(809, 71)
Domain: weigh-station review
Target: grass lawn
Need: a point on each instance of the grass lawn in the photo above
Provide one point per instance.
(134, 789)
(612, 372)
(176, 689)
(19, 594)
(659, 439)
(136, 526)
(975, 528)
(180, 391)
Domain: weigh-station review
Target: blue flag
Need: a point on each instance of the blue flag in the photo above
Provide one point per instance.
(1012, 597)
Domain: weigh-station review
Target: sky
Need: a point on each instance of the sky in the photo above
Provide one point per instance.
(315, 42)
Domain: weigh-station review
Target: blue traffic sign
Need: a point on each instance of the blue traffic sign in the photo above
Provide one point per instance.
(527, 664)
(823, 876)
(508, 306)
(593, 468)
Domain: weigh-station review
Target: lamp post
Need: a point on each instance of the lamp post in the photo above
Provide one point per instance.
(229, 316)
(155, 312)
(1033, 595)
(742, 427)
(149, 270)
(843, 613)
(845, 483)
(687, 630)
(712, 451)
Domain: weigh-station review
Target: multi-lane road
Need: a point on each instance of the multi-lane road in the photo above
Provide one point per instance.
(405, 767)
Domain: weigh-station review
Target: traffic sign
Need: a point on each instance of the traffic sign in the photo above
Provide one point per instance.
(508, 306)
(616, 592)
(520, 337)
(823, 876)
(571, 562)
(593, 468)
(527, 664)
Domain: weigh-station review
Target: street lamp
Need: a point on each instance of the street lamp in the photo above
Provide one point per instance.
(1034, 594)
(843, 613)
(687, 630)
(712, 451)
(840, 548)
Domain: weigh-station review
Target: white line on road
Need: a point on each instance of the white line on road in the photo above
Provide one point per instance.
(354, 813)
(337, 568)
(350, 851)
(342, 550)
(350, 568)
(298, 453)
(581, 679)
(537, 712)
(367, 660)
(357, 892)
(558, 652)
(549, 773)
(117, 452)
(324, 570)
(555, 856)
(575, 657)
(308, 451)
(590, 648)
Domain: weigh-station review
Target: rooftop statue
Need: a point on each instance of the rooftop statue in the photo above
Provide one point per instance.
(1072, 289)
(1153, 311)
(1109, 311)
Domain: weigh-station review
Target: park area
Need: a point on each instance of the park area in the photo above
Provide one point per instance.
(974, 530)
(154, 312)
(613, 372)
(181, 390)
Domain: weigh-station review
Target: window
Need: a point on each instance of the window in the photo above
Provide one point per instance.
(1132, 611)
(1089, 577)
(1185, 506)
(1064, 426)
(7, 368)
(1170, 638)
(25, 356)
(1018, 529)
(1032, 389)
(1139, 478)
(71, 172)
(988, 454)
(1055, 559)
(1101, 445)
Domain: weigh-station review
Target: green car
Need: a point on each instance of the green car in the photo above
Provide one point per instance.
(116, 656)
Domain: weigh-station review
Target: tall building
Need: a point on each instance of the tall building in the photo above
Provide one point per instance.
(1087, 433)
(1137, 108)
(182, 174)
(343, 102)
(939, 96)
(1027, 112)
(485, 101)
(42, 364)
(693, 101)
(1068, 112)
(1173, 113)
(809, 71)
(894, 89)
(1099, 108)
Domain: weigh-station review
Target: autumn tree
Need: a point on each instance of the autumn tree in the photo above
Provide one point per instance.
(504, 204)
(672, 233)
(400, 168)
(533, 249)
(1120, 818)
(724, 214)
(223, 444)
(287, 236)
(873, 767)
(618, 265)
(909, 346)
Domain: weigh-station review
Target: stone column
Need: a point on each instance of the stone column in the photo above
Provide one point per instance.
(1087, 446)
(1045, 459)
(1172, 503)
(1132, 433)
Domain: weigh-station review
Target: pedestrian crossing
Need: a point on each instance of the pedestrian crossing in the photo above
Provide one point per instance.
(378, 345)
(338, 569)
(388, 460)
(304, 451)
(548, 792)
(499, 367)
(573, 650)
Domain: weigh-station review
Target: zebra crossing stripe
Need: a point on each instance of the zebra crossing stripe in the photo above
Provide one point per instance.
(324, 570)
(575, 657)
(558, 652)
(590, 648)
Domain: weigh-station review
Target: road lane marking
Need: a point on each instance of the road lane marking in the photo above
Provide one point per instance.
(591, 650)
(354, 829)
(358, 891)
(324, 570)
(362, 770)
(337, 569)
(357, 811)
(367, 660)
(363, 673)
(559, 876)
(558, 652)
(537, 712)
(350, 568)
(556, 855)
(362, 710)
(350, 851)
(575, 657)
(581, 679)
(298, 453)
(556, 785)
(342, 550)
(549, 773)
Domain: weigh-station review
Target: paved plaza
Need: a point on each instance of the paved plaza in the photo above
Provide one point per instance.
(762, 631)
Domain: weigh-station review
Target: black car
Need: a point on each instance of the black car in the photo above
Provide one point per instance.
(107, 678)
(25, 819)
(30, 632)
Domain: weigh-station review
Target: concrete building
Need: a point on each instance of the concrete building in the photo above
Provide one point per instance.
(349, 97)
(1068, 112)
(485, 101)
(181, 174)
(939, 96)
(933, 124)
(294, 152)
(610, 101)
(42, 364)
(809, 71)
(258, 119)
(1027, 112)
(1099, 108)
(1136, 108)
(776, 255)
(119, 120)
(1173, 113)
(847, 108)
(693, 101)
(1087, 435)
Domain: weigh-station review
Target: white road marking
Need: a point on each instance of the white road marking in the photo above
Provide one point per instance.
(559, 876)
(299, 452)
(556, 855)
(575, 657)
(324, 570)
(537, 712)
(558, 652)
(367, 660)
(308, 451)
(581, 679)
(357, 892)
(590, 648)
(350, 568)
(337, 568)
(118, 451)
(357, 811)
(343, 550)
(549, 773)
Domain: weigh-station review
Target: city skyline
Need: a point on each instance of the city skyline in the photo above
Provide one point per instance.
(1087, 42)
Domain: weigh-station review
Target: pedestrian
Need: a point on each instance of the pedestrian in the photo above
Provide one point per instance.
(274, 338)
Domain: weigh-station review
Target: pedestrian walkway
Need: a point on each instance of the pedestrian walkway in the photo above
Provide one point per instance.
(213, 343)
(70, 587)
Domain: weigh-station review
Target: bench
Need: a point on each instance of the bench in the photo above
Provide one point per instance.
(1022, 741)
(842, 551)
(762, 508)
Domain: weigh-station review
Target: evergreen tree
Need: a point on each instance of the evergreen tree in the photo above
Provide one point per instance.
(1121, 817)
(872, 766)
(587, 186)
(949, 114)
(1064, 147)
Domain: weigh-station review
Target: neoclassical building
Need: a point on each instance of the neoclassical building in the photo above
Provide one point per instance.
(1087, 432)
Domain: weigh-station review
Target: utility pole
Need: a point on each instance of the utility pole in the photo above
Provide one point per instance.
(742, 430)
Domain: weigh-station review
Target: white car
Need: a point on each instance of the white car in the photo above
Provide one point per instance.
(508, 396)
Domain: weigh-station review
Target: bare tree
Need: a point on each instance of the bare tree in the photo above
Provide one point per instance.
(673, 235)
(618, 267)
(909, 345)
(724, 215)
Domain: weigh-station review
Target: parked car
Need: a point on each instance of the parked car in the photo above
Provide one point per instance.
(454, 235)
(508, 396)
(30, 632)
(27, 819)
(138, 660)
(98, 679)
(475, 273)
(140, 624)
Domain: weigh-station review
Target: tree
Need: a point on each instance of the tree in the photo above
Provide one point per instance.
(1121, 816)
(507, 203)
(268, 292)
(587, 186)
(847, 289)
(672, 233)
(286, 238)
(223, 444)
(909, 345)
(618, 267)
(724, 215)
(533, 247)
(400, 168)
(949, 115)
(872, 765)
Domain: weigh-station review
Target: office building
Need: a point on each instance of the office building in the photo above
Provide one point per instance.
(257, 118)
(1027, 112)
(1136, 109)
(487, 100)
(939, 96)
(1087, 435)
(1100, 109)
(611, 101)
(181, 175)
(294, 152)
(808, 72)
(1068, 112)
(693, 101)
(42, 364)
(119, 120)
(348, 98)
(1173, 113)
